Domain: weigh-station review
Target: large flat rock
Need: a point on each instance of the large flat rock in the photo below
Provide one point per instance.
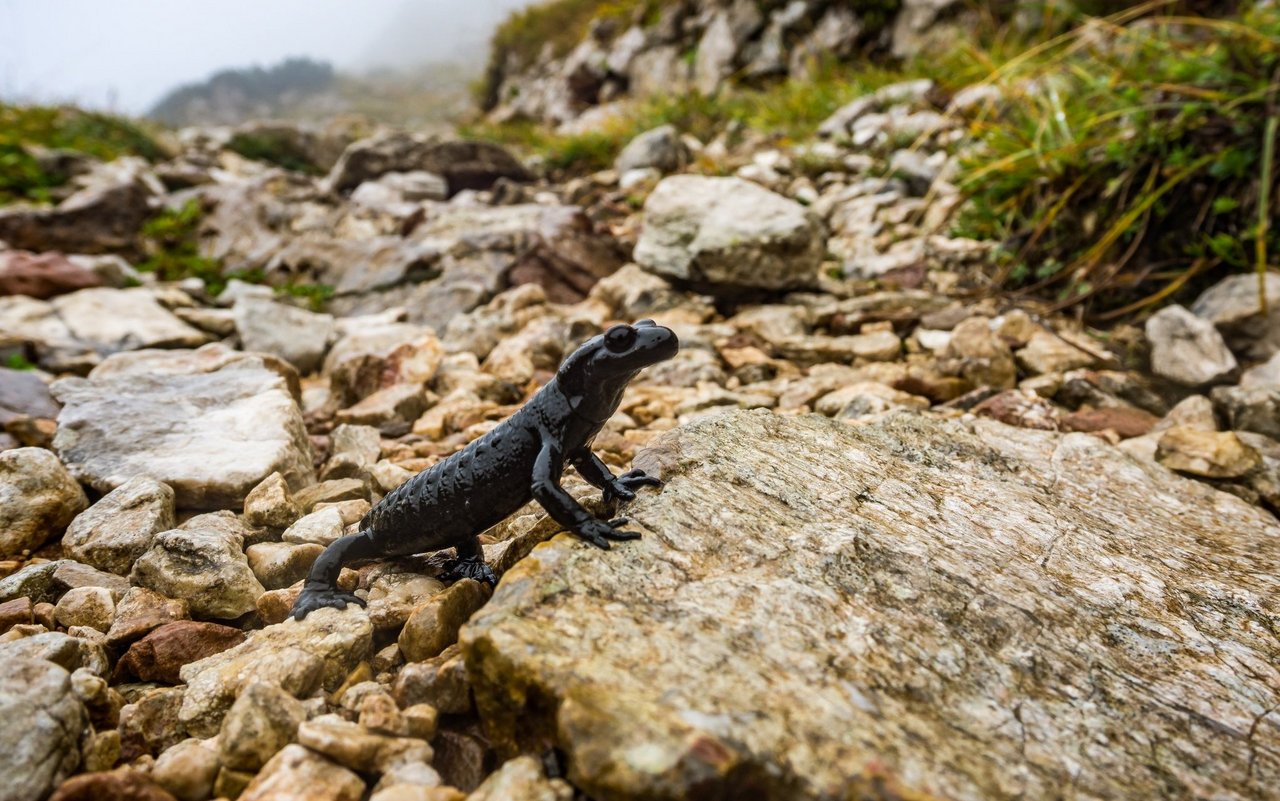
(914, 609)
(212, 424)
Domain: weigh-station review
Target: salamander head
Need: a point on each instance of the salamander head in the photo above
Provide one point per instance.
(595, 374)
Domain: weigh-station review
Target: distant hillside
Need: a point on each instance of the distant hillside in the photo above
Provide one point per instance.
(233, 95)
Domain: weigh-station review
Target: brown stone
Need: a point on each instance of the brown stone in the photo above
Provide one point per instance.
(1020, 408)
(16, 612)
(142, 611)
(162, 653)
(463, 759)
(42, 275)
(440, 681)
(274, 605)
(1124, 420)
(150, 724)
(434, 625)
(123, 784)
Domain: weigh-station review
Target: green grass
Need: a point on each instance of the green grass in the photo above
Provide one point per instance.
(16, 361)
(1131, 163)
(103, 136)
(274, 147)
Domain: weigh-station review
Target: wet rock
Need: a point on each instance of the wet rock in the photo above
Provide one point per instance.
(271, 504)
(1212, 454)
(212, 429)
(263, 720)
(301, 656)
(142, 611)
(1234, 306)
(1255, 408)
(38, 499)
(434, 626)
(729, 233)
(296, 767)
(840, 580)
(161, 655)
(40, 739)
(187, 770)
(661, 148)
(279, 564)
(296, 335)
(86, 606)
(522, 778)
(116, 530)
(123, 784)
(204, 563)
(1187, 349)
(42, 275)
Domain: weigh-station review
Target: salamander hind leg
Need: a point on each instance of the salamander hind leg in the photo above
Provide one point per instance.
(469, 563)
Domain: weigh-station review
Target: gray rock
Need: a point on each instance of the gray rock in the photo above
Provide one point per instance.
(463, 165)
(112, 320)
(204, 563)
(33, 581)
(72, 653)
(23, 393)
(32, 321)
(210, 424)
(1264, 374)
(296, 335)
(1255, 408)
(116, 530)
(729, 233)
(1233, 305)
(661, 149)
(887, 601)
(1187, 349)
(105, 216)
(914, 26)
(41, 729)
(38, 499)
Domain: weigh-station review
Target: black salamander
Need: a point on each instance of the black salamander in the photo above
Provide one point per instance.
(448, 505)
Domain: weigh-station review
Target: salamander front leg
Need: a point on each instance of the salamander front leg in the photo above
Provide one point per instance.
(469, 564)
(598, 474)
(564, 509)
(321, 587)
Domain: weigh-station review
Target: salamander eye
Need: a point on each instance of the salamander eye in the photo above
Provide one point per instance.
(619, 338)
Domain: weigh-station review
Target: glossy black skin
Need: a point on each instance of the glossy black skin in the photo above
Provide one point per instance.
(522, 459)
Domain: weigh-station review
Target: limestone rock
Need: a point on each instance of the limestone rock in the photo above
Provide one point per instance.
(150, 724)
(321, 527)
(38, 499)
(353, 746)
(729, 233)
(270, 504)
(434, 626)
(116, 530)
(72, 653)
(1254, 408)
(112, 320)
(660, 148)
(211, 428)
(914, 593)
(1212, 454)
(1047, 353)
(296, 335)
(440, 681)
(301, 656)
(103, 217)
(187, 770)
(279, 564)
(262, 720)
(204, 563)
(376, 357)
(161, 655)
(1186, 348)
(1234, 306)
(976, 354)
(41, 721)
(22, 393)
(294, 768)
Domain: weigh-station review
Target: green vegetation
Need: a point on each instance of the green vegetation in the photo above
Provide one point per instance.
(25, 129)
(315, 295)
(280, 147)
(1129, 160)
(16, 361)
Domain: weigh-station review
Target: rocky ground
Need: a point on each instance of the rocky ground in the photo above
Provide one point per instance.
(914, 542)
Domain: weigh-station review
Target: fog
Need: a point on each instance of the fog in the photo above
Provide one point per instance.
(123, 55)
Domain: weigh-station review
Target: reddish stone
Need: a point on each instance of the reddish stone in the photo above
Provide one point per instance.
(162, 653)
(1124, 420)
(42, 275)
(122, 784)
(16, 612)
(1018, 408)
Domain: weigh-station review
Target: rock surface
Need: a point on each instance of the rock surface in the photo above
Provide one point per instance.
(116, 530)
(210, 424)
(38, 499)
(900, 610)
(41, 722)
(204, 563)
(1186, 348)
(729, 233)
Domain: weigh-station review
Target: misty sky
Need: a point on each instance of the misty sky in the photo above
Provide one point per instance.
(125, 54)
